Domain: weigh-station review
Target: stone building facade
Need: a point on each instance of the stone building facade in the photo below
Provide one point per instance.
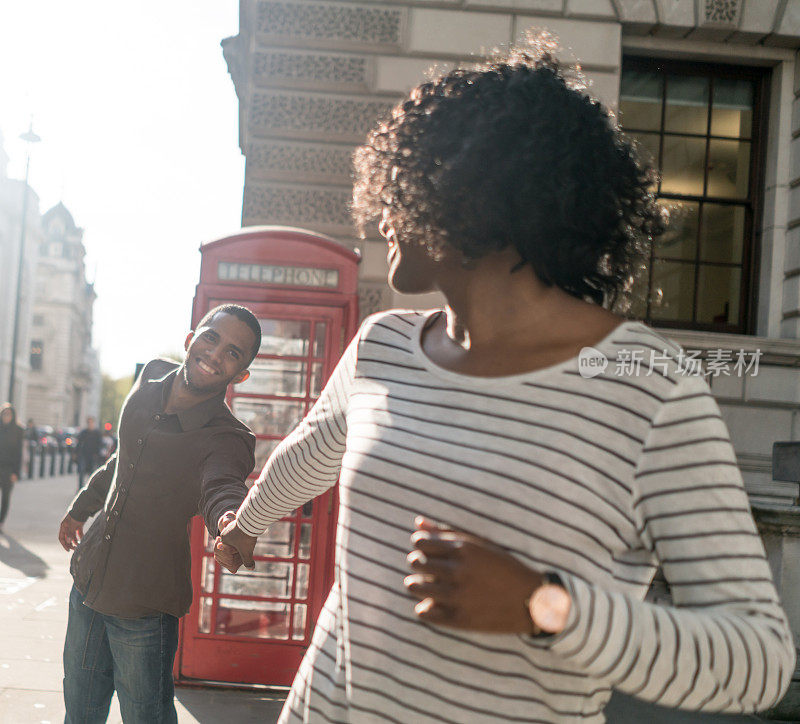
(11, 202)
(709, 88)
(64, 377)
(312, 76)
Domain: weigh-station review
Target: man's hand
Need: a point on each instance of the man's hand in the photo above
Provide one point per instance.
(70, 532)
(467, 582)
(14, 477)
(226, 555)
(242, 542)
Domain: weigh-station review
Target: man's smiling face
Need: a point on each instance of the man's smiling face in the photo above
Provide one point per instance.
(217, 354)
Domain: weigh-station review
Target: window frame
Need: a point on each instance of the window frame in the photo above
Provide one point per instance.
(753, 203)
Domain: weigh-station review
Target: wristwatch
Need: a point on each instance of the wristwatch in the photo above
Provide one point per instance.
(549, 605)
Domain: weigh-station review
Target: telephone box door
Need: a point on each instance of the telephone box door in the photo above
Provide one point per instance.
(254, 626)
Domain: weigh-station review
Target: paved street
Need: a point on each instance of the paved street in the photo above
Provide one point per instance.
(34, 586)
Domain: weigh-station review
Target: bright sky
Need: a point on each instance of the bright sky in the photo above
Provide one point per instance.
(139, 125)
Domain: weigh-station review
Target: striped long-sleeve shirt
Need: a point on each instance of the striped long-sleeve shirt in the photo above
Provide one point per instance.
(598, 479)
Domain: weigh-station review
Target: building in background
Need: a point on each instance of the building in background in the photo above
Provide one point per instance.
(709, 88)
(11, 202)
(64, 377)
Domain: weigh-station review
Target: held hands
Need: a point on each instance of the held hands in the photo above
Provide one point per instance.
(70, 533)
(466, 582)
(233, 548)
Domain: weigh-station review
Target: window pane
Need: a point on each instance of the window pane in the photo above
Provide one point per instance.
(207, 574)
(679, 241)
(729, 168)
(640, 100)
(300, 613)
(278, 541)
(263, 619)
(320, 330)
(722, 233)
(647, 146)
(264, 449)
(718, 294)
(687, 105)
(302, 580)
(305, 541)
(673, 290)
(682, 165)
(284, 336)
(204, 623)
(732, 110)
(268, 417)
(316, 379)
(269, 580)
(275, 377)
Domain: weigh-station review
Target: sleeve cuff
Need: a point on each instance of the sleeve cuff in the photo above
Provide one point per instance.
(78, 515)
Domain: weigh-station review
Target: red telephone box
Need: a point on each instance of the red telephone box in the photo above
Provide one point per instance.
(254, 627)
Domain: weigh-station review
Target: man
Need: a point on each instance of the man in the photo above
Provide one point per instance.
(87, 451)
(181, 452)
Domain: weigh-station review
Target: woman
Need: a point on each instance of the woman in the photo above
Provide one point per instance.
(11, 438)
(540, 498)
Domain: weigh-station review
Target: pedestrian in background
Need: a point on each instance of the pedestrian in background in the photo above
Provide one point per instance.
(88, 450)
(11, 437)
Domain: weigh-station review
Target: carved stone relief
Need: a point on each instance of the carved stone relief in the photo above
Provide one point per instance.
(300, 161)
(296, 205)
(722, 12)
(294, 20)
(324, 117)
(373, 297)
(315, 69)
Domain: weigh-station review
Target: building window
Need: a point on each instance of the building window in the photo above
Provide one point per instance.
(38, 320)
(37, 349)
(701, 125)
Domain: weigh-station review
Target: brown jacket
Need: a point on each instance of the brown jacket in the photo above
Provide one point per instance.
(134, 559)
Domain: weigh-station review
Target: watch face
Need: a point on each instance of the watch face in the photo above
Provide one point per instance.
(549, 608)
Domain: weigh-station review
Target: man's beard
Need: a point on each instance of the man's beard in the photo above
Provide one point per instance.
(197, 389)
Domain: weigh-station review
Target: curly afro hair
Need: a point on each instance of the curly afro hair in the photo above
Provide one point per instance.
(513, 153)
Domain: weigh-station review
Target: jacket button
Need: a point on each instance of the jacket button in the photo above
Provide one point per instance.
(140, 441)
(107, 536)
(116, 514)
(130, 465)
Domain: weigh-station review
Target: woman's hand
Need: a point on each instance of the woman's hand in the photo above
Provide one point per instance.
(467, 582)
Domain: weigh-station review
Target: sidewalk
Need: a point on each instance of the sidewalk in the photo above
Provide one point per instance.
(34, 587)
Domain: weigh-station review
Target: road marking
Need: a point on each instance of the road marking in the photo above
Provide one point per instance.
(9, 586)
(44, 604)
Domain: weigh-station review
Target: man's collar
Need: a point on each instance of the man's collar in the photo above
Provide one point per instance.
(195, 417)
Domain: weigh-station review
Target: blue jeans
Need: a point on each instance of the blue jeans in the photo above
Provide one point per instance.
(133, 656)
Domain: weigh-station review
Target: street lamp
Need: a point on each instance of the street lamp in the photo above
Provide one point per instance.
(30, 138)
